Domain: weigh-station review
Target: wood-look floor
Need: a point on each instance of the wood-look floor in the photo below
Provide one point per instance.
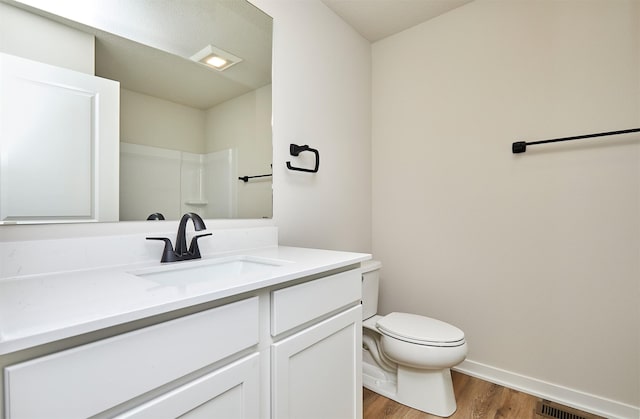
(476, 399)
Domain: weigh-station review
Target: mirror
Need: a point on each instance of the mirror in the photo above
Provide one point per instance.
(188, 132)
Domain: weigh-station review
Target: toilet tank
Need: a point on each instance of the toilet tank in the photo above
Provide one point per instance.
(370, 281)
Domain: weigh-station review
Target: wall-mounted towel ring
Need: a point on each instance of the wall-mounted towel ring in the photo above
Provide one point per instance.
(295, 150)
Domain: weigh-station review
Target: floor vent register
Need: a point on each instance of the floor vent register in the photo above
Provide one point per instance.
(548, 409)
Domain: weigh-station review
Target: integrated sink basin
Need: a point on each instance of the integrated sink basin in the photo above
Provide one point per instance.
(220, 269)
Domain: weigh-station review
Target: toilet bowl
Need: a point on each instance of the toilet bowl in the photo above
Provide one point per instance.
(407, 357)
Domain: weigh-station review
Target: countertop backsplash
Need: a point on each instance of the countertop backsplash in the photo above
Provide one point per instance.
(32, 257)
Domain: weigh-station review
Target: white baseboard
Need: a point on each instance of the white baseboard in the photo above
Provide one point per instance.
(553, 392)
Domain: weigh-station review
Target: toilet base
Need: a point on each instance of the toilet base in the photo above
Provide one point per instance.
(430, 391)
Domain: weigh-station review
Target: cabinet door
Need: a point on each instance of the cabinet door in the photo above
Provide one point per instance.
(59, 136)
(231, 392)
(89, 379)
(317, 372)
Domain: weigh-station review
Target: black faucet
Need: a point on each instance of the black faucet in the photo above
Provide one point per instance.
(155, 216)
(181, 252)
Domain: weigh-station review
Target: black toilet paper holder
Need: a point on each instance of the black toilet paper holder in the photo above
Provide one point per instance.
(295, 150)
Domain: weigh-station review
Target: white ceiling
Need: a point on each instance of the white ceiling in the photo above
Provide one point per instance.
(377, 19)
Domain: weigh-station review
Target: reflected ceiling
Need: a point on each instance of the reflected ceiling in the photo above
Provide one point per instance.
(232, 25)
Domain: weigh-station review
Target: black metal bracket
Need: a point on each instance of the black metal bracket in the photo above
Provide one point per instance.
(295, 150)
(521, 146)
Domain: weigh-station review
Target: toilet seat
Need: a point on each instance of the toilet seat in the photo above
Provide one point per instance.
(420, 330)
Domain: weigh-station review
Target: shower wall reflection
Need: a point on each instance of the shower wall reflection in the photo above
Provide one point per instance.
(176, 159)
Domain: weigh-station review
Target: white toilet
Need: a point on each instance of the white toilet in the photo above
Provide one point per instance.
(406, 357)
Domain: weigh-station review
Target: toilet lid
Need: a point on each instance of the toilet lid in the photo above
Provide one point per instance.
(420, 329)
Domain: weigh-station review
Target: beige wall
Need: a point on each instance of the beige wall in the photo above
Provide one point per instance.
(244, 124)
(321, 97)
(63, 46)
(148, 120)
(535, 256)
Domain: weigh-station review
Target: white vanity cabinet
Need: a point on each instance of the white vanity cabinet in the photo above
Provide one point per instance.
(290, 349)
(316, 371)
(89, 379)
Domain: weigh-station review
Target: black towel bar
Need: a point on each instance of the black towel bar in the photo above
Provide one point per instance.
(521, 146)
(245, 179)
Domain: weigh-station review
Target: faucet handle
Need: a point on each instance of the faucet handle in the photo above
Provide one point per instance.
(168, 255)
(194, 249)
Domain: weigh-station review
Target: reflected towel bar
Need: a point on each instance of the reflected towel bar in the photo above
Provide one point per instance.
(521, 146)
(245, 179)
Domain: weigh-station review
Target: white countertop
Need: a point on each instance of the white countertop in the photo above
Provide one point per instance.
(39, 309)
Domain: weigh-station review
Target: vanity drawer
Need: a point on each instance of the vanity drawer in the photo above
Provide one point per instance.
(89, 379)
(299, 304)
